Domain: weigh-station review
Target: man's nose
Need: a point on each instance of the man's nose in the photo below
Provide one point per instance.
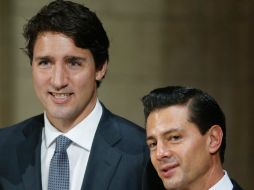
(59, 77)
(163, 151)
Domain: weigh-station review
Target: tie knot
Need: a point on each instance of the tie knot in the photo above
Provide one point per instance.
(62, 143)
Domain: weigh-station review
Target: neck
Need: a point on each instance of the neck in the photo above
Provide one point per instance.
(210, 178)
(214, 174)
(66, 124)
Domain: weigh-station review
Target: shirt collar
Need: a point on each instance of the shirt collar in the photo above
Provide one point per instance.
(223, 184)
(82, 134)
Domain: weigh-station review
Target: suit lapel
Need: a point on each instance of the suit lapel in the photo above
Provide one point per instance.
(28, 154)
(103, 159)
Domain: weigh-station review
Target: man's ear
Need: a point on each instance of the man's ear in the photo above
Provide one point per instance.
(215, 135)
(101, 71)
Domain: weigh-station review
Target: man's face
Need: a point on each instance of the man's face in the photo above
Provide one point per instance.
(64, 78)
(178, 151)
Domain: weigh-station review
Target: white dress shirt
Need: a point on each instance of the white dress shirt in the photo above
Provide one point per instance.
(223, 184)
(82, 136)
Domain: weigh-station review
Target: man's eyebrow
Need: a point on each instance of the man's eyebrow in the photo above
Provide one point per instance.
(42, 58)
(176, 129)
(74, 58)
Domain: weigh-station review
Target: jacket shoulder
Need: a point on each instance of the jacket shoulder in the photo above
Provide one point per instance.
(126, 127)
(236, 186)
(132, 137)
(11, 133)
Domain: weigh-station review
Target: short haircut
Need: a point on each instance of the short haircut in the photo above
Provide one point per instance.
(204, 110)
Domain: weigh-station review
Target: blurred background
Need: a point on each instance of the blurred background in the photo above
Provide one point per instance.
(154, 43)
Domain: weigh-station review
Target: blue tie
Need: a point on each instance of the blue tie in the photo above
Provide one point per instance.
(59, 166)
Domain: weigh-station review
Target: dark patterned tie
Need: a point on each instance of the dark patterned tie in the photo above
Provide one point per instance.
(59, 166)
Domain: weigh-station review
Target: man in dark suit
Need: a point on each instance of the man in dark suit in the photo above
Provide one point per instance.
(186, 135)
(77, 143)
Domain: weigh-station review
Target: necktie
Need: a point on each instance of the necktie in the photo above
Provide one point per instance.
(59, 166)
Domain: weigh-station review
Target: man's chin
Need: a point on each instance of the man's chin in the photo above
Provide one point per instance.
(59, 114)
(171, 183)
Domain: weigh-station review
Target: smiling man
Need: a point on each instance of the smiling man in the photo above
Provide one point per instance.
(64, 77)
(186, 135)
(77, 143)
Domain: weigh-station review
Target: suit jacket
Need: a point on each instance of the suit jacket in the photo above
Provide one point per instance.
(117, 159)
(235, 185)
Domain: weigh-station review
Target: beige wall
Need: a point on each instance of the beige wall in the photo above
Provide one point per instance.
(6, 84)
(206, 44)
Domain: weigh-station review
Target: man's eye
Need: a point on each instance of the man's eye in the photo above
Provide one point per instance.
(44, 63)
(175, 138)
(74, 64)
(152, 145)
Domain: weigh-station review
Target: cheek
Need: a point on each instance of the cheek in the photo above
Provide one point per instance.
(194, 152)
(153, 159)
(83, 80)
(39, 80)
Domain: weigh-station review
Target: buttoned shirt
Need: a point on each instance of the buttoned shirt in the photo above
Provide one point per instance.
(82, 136)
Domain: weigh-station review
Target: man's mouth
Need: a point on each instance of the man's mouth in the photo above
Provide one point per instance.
(168, 170)
(60, 98)
(60, 95)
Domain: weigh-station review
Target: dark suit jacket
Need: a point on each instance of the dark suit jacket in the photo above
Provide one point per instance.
(117, 158)
(235, 185)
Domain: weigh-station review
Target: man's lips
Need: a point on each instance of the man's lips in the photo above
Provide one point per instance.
(60, 98)
(167, 170)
